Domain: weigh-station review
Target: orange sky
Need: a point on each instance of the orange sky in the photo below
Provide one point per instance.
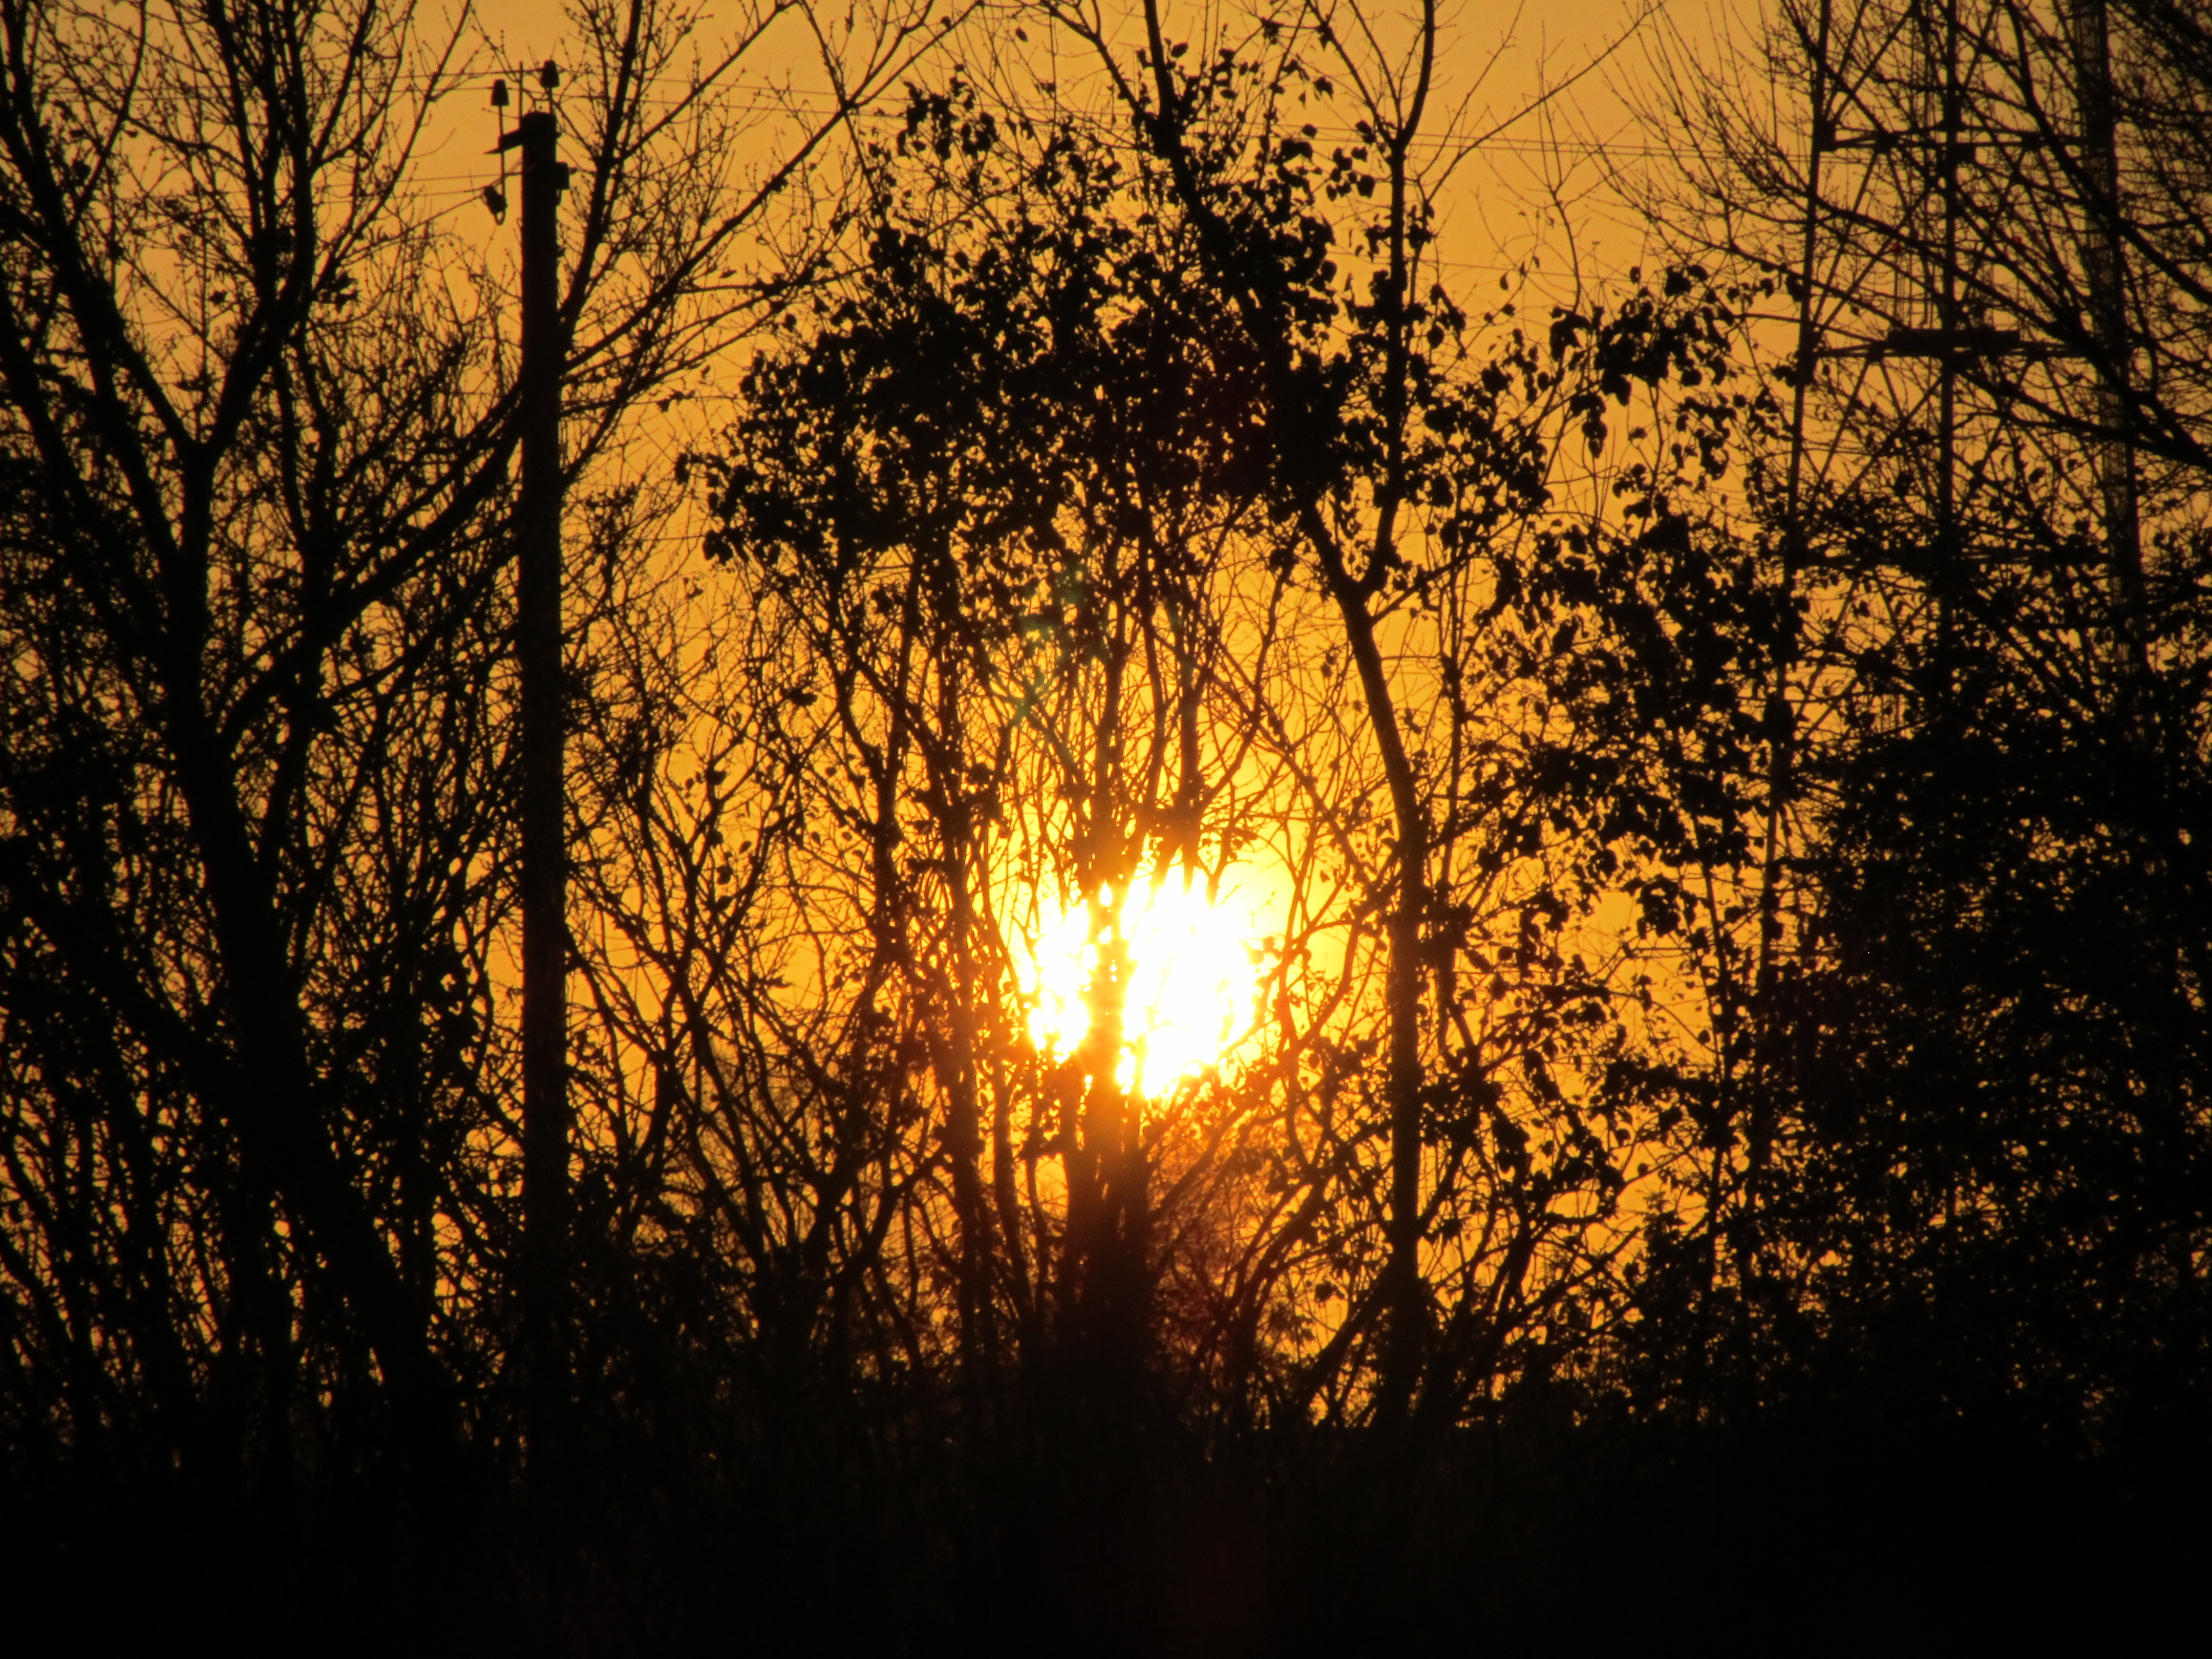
(1534, 178)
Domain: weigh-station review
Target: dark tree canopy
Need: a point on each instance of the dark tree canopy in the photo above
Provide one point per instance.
(1706, 845)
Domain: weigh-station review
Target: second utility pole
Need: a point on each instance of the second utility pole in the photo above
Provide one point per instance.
(545, 842)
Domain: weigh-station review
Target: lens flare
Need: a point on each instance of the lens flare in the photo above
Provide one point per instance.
(1190, 985)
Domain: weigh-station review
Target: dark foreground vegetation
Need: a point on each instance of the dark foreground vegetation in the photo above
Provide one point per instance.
(1715, 1139)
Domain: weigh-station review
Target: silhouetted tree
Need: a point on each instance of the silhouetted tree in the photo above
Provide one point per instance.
(1550, 669)
(1039, 456)
(256, 1118)
(1969, 1186)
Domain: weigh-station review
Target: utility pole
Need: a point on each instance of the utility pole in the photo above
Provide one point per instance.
(2104, 258)
(544, 848)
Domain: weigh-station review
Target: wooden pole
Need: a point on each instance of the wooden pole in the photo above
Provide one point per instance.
(544, 850)
(2104, 266)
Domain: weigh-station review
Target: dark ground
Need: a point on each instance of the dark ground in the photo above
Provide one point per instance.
(1779, 1540)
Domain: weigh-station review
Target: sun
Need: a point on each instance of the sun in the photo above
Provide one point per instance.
(1192, 979)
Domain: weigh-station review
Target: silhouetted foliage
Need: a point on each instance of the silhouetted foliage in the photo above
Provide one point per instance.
(1725, 1036)
(256, 1150)
(1974, 1192)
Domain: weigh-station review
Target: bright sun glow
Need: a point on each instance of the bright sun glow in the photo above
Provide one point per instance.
(1191, 980)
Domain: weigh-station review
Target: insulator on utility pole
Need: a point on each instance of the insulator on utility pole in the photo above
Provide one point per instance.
(495, 196)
